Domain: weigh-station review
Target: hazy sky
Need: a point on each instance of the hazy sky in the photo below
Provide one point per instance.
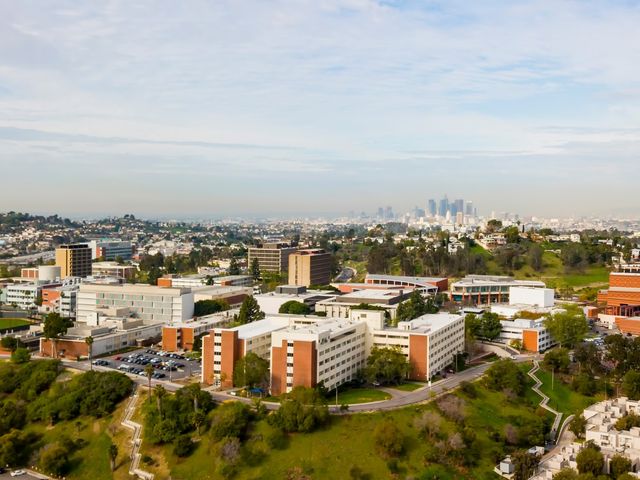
(193, 107)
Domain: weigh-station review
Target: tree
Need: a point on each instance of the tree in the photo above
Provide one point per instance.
(578, 426)
(182, 446)
(234, 268)
(54, 459)
(387, 365)
(566, 473)
(54, 327)
(208, 307)
(250, 370)
(388, 438)
(149, 371)
(294, 307)
(568, 328)
(302, 410)
(557, 359)
(89, 341)
(590, 460)
(631, 384)
(505, 374)
(249, 311)
(255, 269)
(619, 465)
(524, 464)
(160, 393)
(535, 257)
(9, 343)
(20, 355)
(229, 420)
(415, 307)
(490, 326)
(113, 455)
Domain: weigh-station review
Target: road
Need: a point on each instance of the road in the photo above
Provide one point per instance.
(346, 274)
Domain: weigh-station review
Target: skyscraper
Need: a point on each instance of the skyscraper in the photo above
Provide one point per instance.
(459, 203)
(431, 208)
(444, 207)
(469, 209)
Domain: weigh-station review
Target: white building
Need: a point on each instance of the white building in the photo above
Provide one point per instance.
(149, 303)
(532, 334)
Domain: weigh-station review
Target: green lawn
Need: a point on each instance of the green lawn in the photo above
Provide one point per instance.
(358, 395)
(13, 322)
(561, 397)
(408, 387)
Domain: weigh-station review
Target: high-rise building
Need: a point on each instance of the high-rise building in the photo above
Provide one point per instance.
(111, 249)
(74, 260)
(431, 208)
(443, 208)
(468, 209)
(388, 213)
(310, 267)
(459, 218)
(380, 213)
(459, 203)
(272, 257)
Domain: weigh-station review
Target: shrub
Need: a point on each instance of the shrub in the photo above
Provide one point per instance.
(229, 420)
(183, 446)
(388, 438)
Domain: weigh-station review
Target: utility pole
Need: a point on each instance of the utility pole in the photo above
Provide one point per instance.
(336, 394)
(553, 371)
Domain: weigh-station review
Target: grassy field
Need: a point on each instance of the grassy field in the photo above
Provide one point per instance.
(348, 442)
(561, 397)
(359, 395)
(408, 387)
(13, 322)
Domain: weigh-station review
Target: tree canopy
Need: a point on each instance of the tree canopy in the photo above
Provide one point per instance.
(415, 307)
(251, 370)
(387, 365)
(249, 311)
(294, 307)
(568, 327)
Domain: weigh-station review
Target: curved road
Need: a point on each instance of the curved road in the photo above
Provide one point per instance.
(399, 400)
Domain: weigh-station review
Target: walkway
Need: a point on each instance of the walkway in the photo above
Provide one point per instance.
(545, 400)
(135, 441)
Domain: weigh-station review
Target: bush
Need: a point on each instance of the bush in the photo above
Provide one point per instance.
(229, 420)
(294, 307)
(505, 374)
(628, 421)
(590, 460)
(20, 355)
(54, 459)
(469, 389)
(302, 410)
(275, 437)
(557, 359)
(388, 438)
(182, 446)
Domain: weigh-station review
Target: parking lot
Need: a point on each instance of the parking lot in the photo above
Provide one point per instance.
(167, 365)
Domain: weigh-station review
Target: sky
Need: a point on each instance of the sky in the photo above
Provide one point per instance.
(213, 108)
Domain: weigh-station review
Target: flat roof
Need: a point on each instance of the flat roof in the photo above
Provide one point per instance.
(430, 322)
(133, 288)
(260, 327)
(373, 294)
(405, 278)
(332, 325)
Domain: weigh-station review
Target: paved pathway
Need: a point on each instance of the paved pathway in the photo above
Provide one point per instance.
(134, 468)
(545, 400)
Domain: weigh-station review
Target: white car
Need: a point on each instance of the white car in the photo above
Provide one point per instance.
(17, 473)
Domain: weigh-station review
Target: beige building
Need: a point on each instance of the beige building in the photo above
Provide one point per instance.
(272, 257)
(310, 267)
(74, 260)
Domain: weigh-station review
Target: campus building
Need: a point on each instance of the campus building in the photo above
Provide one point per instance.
(113, 269)
(272, 257)
(149, 303)
(271, 302)
(111, 249)
(307, 350)
(309, 267)
(182, 335)
(532, 334)
(487, 289)
(341, 306)
(110, 335)
(622, 298)
(423, 284)
(201, 280)
(74, 260)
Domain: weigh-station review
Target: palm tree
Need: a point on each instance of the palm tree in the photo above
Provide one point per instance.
(89, 341)
(148, 370)
(160, 392)
(113, 454)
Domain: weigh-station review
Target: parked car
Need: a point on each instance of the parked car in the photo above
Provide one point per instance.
(17, 473)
